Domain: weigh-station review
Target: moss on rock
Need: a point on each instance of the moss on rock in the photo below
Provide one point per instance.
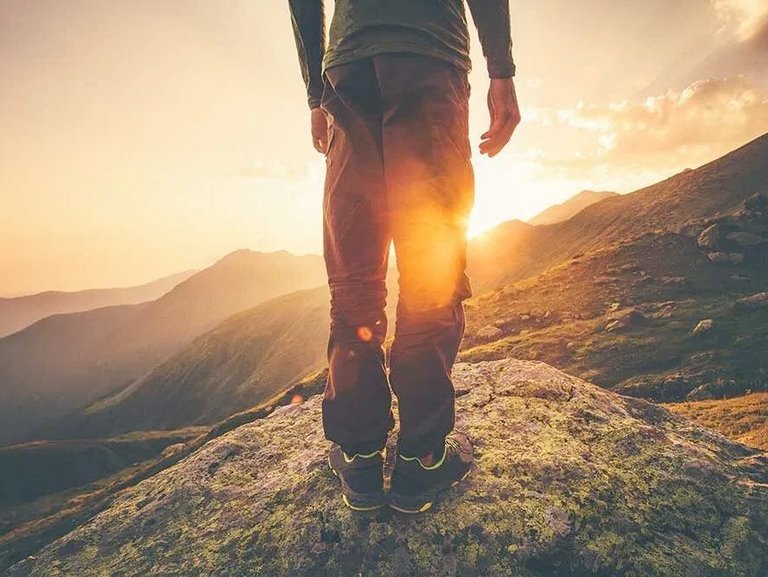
(571, 480)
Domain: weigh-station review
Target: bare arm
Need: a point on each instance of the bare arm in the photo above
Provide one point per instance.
(492, 20)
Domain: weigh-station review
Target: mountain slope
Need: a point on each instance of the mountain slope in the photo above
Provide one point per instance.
(717, 187)
(742, 418)
(244, 360)
(570, 480)
(19, 312)
(572, 206)
(625, 316)
(61, 363)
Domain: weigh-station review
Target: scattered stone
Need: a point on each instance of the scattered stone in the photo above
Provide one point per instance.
(172, 450)
(736, 257)
(489, 332)
(718, 257)
(623, 319)
(703, 326)
(740, 278)
(614, 307)
(525, 317)
(629, 267)
(744, 238)
(676, 280)
(756, 301)
(570, 345)
(711, 237)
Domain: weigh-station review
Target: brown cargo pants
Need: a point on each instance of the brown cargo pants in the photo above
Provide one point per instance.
(398, 169)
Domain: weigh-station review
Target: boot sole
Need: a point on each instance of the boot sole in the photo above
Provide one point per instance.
(426, 505)
(360, 502)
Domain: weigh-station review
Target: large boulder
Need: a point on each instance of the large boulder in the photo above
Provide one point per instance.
(570, 480)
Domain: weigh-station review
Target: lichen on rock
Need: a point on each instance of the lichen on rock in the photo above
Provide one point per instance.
(570, 480)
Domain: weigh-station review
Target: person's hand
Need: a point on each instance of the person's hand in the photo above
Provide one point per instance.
(319, 130)
(505, 116)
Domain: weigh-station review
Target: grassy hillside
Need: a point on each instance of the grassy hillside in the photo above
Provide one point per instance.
(744, 419)
(45, 467)
(246, 359)
(61, 363)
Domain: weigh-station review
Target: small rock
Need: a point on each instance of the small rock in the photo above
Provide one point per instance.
(623, 319)
(614, 307)
(710, 237)
(756, 301)
(629, 267)
(744, 238)
(703, 326)
(736, 257)
(676, 280)
(172, 450)
(718, 257)
(740, 278)
(489, 332)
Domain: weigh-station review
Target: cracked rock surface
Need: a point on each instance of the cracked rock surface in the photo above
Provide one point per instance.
(570, 479)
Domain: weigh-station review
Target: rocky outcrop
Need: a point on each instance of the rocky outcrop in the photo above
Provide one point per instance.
(570, 480)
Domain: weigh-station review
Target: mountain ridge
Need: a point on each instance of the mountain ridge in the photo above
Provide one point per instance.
(21, 311)
(570, 207)
(90, 356)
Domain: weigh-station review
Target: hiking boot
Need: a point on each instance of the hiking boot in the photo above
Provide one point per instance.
(415, 485)
(362, 483)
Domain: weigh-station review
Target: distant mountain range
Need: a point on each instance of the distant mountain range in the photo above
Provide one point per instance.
(572, 206)
(19, 312)
(65, 361)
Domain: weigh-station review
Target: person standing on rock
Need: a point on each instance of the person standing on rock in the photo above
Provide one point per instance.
(389, 109)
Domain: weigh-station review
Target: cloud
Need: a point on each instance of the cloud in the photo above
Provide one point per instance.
(666, 132)
(747, 18)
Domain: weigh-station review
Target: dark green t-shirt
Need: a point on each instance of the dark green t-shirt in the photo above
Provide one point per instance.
(364, 28)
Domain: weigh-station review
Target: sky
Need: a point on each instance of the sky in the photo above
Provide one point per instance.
(143, 137)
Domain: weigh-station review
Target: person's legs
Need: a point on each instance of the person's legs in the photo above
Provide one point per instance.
(356, 238)
(430, 190)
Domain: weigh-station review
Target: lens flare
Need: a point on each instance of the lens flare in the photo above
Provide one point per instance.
(364, 333)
